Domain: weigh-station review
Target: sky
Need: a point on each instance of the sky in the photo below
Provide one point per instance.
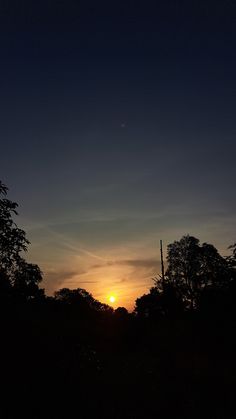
(117, 129)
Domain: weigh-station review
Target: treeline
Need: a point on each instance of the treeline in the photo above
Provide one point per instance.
(72, 356)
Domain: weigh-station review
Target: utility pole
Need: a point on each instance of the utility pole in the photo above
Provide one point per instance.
(162, 264)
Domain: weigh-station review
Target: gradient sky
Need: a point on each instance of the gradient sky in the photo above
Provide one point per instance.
(117, 130)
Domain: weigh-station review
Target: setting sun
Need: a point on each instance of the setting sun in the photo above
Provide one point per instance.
(112, 299)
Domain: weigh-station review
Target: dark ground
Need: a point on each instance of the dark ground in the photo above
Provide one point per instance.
(57, 364)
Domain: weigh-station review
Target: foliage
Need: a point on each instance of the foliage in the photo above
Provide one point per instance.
(192, 267)
(12, 239)
(232, 258)
(81, 299)
(17, 277)
(149, 305)
(196, 275)
(161, 301)
(26, 280)
(121, 312)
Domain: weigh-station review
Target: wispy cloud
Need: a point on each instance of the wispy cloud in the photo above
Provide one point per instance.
(64, 241)
(136, 263)
(56, 278)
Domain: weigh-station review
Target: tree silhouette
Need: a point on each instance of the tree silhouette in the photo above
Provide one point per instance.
(81, 299)
(26, 280)
(75, 296)
(192, 267)
(16, 275)
(232, 258)
(164, 300)
(121, 312)
(149, 305)
(12, 239)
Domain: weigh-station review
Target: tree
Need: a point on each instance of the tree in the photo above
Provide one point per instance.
(74, 297)
(81, 300)
(121, 313)
(232, 258)
(12, 239)
(16, 275)
(192, 268)
(26, 280)
(149, 305)
(161, 301)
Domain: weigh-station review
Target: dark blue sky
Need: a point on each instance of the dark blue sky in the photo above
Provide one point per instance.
(117, 129)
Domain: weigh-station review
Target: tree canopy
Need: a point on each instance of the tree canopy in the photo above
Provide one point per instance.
(193, 267)
(195, 273)
(17, 277)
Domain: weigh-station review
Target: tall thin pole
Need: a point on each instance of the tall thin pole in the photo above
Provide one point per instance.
(162, 264)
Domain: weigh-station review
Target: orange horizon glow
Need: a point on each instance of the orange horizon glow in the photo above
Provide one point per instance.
(99, 281)
(103, 273)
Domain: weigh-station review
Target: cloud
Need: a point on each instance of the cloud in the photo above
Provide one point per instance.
(88, 282)
(55, 279)
(142, 263)
(136, 263)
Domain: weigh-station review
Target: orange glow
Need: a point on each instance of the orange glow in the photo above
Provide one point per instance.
(124, 282)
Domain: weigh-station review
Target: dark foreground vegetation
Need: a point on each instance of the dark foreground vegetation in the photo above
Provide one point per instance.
(70, 356)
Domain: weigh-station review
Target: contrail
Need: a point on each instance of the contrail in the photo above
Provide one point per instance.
(74, 248)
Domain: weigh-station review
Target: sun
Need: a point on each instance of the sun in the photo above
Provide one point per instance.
(112, 299)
